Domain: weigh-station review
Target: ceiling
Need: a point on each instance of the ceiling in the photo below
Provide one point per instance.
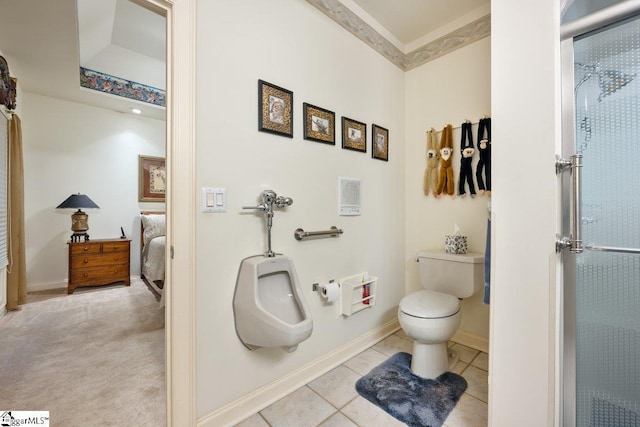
(40, 41)
(411, 20)
(45, 42)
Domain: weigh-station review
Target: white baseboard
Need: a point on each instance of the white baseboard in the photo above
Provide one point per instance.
(471, 340)
(46, 286)
(256, 401)
(57, 285)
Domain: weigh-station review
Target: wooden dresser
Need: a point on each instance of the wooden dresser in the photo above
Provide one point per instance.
(98, 262)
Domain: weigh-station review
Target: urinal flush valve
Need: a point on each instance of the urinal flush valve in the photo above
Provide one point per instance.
(269, 200)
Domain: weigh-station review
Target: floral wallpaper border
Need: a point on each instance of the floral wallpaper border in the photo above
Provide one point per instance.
(106, 83)
(461, 37)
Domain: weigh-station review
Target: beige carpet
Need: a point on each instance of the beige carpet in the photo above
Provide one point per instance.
(92, 358)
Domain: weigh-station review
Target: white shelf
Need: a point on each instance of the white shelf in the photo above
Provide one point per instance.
(351, 293)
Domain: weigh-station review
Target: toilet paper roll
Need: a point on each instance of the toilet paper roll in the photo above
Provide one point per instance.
(331, 291)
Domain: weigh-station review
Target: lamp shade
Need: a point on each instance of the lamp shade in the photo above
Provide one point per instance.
(78, 201)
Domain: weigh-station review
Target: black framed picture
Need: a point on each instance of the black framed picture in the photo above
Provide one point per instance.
(379, 143)
(354, 135)
(275, 109)
(319, 124)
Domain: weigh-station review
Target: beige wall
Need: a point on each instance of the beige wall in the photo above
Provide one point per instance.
(291, 44)
(70, 148)
(450, 89)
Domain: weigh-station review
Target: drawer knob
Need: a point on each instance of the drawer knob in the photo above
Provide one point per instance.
(86, 248)
(85, 275)
(86, 261)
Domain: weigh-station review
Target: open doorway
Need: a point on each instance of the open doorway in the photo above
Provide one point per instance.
(19, 32)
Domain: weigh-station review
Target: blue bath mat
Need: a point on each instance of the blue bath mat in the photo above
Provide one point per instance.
(416, 401)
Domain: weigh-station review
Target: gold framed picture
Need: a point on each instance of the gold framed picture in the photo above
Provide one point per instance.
(275, 109)
(152, 180)
(379, 143)
(354, 135)
(319, 124)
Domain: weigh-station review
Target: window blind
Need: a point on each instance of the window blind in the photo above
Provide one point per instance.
(4, 136)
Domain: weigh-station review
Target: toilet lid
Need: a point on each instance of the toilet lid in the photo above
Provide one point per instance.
(429, 304)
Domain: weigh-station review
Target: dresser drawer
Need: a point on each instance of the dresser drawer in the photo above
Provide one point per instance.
(115, 247)
(85, 248)
(88, 260)
(100, 276)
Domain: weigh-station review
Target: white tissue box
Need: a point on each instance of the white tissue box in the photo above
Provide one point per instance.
(455, 244)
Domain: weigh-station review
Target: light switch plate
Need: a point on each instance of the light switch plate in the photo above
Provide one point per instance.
(214, 199)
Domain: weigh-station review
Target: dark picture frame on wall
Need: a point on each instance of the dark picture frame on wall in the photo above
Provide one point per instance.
(319, 124)
(379, 143)
(354, 135)
(275, 109)
(152, 180)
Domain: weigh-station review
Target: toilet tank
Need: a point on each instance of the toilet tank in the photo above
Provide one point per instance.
(461, 275)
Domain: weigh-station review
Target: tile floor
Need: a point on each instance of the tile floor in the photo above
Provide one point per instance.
(332, 400)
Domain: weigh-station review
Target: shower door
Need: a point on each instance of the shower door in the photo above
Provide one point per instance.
(601, 263)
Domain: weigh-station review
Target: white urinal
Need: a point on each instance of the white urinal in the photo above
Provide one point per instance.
(269, 307)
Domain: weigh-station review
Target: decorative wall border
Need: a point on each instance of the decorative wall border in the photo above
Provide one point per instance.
(463, 36)
(456, 39)
(106, 83)
(356, 26)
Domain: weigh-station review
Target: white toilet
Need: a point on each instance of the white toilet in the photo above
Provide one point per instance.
(268, 306)
(431, 317)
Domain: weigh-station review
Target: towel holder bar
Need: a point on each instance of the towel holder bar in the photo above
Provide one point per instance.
(334, 231)
(613, 249)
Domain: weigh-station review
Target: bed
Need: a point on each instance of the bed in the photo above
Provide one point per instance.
(152, 250)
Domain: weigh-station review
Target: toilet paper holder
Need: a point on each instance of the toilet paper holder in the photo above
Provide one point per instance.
(316, 286)
(329, 291)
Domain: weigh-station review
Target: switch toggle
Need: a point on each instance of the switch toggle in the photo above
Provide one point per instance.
(214, 199)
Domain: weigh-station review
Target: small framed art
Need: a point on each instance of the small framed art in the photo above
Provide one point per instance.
(275, 109)
(319, 124)
(152, 181)
(379, 143)
(354, 135)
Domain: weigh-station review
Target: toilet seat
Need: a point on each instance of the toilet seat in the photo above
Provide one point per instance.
(427, 304)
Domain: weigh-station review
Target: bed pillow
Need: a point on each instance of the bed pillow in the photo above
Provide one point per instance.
(153, 226)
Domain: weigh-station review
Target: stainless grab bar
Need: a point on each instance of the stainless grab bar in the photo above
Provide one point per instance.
(613, 249)
(576, 202)
(300, 234)
(574, 240)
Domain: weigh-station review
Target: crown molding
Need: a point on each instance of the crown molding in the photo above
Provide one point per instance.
(456, 39)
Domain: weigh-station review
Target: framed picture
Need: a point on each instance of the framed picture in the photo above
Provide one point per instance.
(275, 109)
(319, 124)
(354, 135)
(152, 181)
(379, 143)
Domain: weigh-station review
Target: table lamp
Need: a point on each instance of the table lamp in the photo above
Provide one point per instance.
(79, 220)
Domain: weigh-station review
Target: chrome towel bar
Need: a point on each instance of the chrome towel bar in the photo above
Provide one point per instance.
(613, 249)
(300, 234)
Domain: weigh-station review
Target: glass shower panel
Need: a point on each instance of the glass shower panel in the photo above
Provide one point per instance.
(607, 134)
